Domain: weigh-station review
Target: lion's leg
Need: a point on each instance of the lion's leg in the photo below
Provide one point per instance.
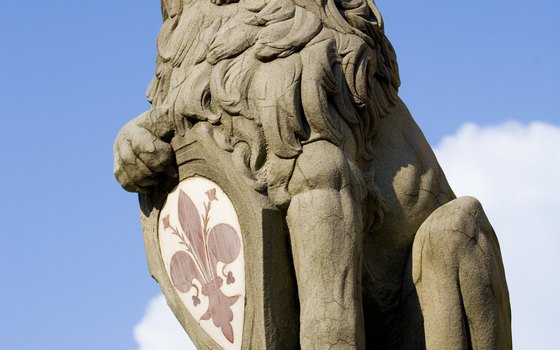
(459, 278)
(326, 234)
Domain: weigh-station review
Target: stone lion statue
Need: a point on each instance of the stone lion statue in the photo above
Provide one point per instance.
(303, 94)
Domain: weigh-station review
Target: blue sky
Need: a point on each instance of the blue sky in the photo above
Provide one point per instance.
(74, 275)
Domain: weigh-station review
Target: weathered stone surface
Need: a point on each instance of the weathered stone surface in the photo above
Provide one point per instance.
(345, 229)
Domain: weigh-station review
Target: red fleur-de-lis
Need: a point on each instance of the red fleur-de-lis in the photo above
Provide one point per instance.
(205, 247)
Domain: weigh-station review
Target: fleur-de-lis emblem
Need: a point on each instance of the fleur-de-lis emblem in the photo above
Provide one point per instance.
(203, 248)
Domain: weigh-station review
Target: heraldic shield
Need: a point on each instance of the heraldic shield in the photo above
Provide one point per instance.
(220, 251)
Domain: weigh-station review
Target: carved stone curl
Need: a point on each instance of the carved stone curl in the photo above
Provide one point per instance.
(292, 107)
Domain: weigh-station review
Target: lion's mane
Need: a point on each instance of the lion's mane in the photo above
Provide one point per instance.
(275, 75)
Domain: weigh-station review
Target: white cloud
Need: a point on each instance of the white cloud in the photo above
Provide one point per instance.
(159, 330)
(513, 170)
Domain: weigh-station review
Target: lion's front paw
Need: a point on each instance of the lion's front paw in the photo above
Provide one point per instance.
(142, 159)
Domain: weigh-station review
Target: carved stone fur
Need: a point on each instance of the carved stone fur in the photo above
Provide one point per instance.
(296, 70)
